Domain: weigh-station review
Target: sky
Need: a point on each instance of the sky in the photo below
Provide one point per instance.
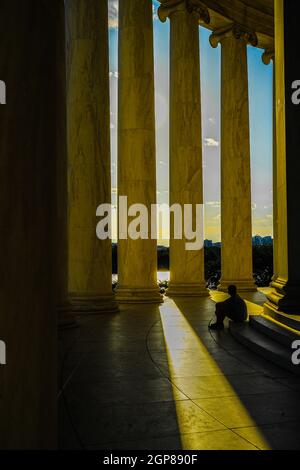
(260, 102)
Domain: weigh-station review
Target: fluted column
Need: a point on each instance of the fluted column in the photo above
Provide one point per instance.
(286, 296)
(236, 217)
(137, 259)
(66, 318)
(90, 281)
(186, 186)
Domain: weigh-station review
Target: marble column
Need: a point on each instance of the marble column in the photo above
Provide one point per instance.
(65, 317)
(236, 217)
(29, 156)
(285, 296)
(88, 123)
(186, 185)
(137, 259)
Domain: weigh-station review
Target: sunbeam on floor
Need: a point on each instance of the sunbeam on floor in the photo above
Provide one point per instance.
(194, 372)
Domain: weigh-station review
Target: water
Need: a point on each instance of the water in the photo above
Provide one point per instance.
(161, 276)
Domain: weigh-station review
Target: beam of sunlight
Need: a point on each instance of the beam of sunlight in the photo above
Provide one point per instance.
(194, 372)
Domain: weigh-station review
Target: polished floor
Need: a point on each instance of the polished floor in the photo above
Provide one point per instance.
(155, 378)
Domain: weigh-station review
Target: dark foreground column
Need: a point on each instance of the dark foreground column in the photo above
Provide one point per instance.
(28, 221)
(286, 296)
(66, 318)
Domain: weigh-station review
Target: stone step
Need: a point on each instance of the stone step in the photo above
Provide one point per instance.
(289, 320)
(273, 330)
(264, 346)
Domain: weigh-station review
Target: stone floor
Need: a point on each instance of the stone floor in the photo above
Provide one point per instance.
(155, 378)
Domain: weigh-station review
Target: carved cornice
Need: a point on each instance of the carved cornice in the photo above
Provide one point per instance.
(169, 7)
(268, 55)
(235, 30)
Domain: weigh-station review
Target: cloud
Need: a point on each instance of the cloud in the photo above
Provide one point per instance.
(213, 203)
(113, 13)
(210, 142)
(114, 74)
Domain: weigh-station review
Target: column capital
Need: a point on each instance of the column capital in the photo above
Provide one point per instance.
(169, 7)
(236, 31)
(268, 55)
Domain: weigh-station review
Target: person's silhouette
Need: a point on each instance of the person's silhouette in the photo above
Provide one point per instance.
(234, 308)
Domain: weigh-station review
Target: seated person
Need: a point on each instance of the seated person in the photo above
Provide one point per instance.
(234, 308)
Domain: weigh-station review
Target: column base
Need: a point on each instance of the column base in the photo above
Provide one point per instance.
(284, 298)
(278, 284)
(246, 285)
(129, 295)
(66, 321)
(93, 305)
(65, 317)
(187, 290)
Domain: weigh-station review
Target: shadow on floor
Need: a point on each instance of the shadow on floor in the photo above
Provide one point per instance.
(154, 378)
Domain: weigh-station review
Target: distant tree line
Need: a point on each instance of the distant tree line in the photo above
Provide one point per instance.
(262, 263)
